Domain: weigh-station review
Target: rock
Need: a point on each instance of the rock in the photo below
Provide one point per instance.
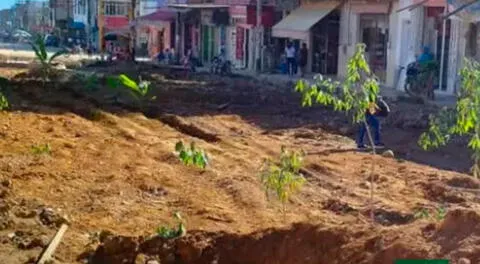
(3, 192)
(49, 217)
(4, 207)
(24, 213)
(141, 259)
(69, 145)
(388, 154)
(464, 261)
(29, 243)
(60, 66)
(7, 183)
(365, 185)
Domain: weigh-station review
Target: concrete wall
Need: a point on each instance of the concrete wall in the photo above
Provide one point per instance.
(349, 29)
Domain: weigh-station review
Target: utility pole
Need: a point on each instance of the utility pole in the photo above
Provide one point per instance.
(133, 32)
(100, 21)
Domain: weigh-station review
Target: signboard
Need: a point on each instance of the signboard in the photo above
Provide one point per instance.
(238, 11)
(114, 22)
(268, 14)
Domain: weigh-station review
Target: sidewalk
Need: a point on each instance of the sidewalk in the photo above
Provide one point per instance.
(440, 99)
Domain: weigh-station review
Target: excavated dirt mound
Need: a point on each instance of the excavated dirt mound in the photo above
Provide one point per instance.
(92, 159)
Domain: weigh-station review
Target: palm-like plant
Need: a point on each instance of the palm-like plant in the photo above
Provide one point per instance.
(38, 46)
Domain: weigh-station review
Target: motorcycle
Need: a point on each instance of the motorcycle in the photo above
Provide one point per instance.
(221, 67)
(419, 81)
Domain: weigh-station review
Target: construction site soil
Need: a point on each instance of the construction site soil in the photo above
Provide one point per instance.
(107, 168)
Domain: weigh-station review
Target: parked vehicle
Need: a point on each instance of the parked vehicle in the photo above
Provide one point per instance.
(51, 41)
(420, 78)
(222, 67)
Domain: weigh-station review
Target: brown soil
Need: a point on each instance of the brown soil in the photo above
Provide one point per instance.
(112, 168)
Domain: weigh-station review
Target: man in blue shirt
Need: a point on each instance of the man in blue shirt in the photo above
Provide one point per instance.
(426, 56)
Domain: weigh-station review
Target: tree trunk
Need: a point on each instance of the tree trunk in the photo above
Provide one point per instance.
(372, 171)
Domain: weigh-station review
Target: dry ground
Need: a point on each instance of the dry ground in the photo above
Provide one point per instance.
(114, 169)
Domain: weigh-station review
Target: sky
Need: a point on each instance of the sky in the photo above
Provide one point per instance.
(4, 4)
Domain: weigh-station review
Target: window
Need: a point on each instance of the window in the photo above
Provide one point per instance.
(116, 9)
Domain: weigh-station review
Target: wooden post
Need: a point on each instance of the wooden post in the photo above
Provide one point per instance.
(47, 254)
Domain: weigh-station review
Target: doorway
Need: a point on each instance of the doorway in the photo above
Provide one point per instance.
(325, 40)
(208, 43)
(374, 34)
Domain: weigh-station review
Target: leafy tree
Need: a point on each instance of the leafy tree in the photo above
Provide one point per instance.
(355, 96)
(462, 120)
(38, 46)
(285, 178)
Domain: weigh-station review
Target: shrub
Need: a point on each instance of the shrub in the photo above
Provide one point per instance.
(168, 232)
(283, 179)
(462, 120)
(192, 155)
(42, 149)
(41, 54)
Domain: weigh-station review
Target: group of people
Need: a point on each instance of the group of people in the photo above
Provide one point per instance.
(294, 59)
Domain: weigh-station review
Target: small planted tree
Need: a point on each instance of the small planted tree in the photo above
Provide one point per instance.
(354, 97)
(3, 102)
(41, 54)
(462, 120)
(283, 178)
(168, 232)
(3, 99)
(191, 155)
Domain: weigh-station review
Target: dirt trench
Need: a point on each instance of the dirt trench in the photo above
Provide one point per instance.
(302, 243)
(306, 243)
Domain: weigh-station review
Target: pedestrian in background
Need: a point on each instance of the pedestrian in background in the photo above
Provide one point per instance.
(290, 54)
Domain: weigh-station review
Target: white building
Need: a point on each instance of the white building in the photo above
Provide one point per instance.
(400, 30)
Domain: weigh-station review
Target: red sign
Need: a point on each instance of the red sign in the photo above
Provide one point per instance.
(116, 22)
(268, 14)
(239, 43)
(238, 11)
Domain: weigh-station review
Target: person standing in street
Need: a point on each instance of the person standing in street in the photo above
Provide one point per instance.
(303, 59)
(290, 54)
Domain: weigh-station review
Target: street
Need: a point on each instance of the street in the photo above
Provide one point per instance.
(22, 47)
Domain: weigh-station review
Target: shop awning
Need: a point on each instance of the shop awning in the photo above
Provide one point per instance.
(77, 25)
(158, 18)
(297, 25)
(163, 14)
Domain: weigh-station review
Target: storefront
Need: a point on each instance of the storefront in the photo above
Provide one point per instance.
(154, 31)
(317, 25)
(374, 34)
